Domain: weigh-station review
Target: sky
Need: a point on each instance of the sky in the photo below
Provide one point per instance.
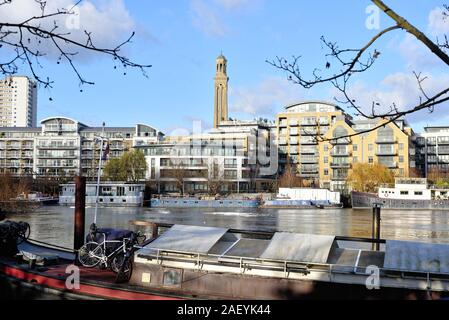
(182, 38)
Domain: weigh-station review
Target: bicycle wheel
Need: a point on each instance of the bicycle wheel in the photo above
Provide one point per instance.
(117, 262)
(24, 232)
(90, 254)
(126, 270)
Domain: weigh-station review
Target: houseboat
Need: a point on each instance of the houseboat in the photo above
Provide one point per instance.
(198, 262)
(111, 194)
(407, 193)
(304, 198)
(195, 202)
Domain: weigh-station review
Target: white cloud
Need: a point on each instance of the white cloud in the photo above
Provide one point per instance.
(437, 25)
(109, 22)
(417, 56)
(207, 20)
(234, 4)
(265, 98)
(401, 89)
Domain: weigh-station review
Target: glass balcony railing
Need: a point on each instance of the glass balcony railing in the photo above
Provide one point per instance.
(386, 140)
(340, 165)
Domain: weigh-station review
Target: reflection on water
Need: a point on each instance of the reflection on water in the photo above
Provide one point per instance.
(55, 224)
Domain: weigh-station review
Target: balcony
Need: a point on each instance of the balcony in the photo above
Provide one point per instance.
(381, 153)
(339, 177)
(340, 141)
(308, 170)
(340, 153)
(308, 123)
(340, 165)
(443, 140)
(308, 151)
(390, 165)
(308, 141)
(313, 160)
(386, 140)
(57, 147)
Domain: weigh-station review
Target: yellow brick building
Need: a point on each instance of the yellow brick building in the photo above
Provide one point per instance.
(297, 128)
(390, 145)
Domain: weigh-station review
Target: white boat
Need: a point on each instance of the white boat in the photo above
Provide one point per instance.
(111, 194)
(407, 193)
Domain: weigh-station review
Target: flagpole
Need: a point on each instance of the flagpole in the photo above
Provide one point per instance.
(100, 162)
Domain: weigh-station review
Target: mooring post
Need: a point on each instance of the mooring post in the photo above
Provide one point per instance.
(154, 230)
(376, 227)
(80, 212)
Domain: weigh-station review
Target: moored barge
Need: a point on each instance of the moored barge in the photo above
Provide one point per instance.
(192, 262)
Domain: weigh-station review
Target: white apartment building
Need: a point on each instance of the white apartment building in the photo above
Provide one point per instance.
(433, 150)
(237, 155)
(18, 102)
(63, 147)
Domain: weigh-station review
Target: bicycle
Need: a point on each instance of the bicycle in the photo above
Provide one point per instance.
(93, 253)
(15, 230)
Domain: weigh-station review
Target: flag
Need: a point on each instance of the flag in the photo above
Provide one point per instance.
(105, 154)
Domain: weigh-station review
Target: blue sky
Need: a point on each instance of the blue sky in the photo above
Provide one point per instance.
(182, 38)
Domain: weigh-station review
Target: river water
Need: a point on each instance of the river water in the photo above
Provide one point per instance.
(54, 224)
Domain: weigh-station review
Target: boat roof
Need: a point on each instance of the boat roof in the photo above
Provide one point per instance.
(282, 246)
(299, 247)
(416, 256)
(228, 245)
(188, 239)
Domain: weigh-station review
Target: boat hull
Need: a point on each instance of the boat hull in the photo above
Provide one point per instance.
(197, 203)
(363, 200)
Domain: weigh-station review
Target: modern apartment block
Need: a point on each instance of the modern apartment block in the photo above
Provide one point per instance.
(235, 157)
(63, 147)
(391, 145)
(297, 130)
(18, 102)
(433, 150)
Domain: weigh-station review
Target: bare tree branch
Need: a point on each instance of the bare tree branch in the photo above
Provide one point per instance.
(24, 37)
(355, 61)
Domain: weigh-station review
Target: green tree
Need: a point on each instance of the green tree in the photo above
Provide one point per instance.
(130, 167)
(113, 170)
(134, 165)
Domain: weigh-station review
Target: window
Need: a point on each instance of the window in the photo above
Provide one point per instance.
(326, 160)
(401, 146)
(370, 160)
(404, 193)
(401, 159)
(354, 147)
(418, 193)
(355, 159)
(326, 147)
(172, 277)
(326, 172)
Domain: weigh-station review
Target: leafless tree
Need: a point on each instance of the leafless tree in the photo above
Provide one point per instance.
(355, 61)
(28, 41)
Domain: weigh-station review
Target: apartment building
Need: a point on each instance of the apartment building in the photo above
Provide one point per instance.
(297, 129)
(18, 102)
(391, 145)
(63, 147)
(235, 156)
(433, 150)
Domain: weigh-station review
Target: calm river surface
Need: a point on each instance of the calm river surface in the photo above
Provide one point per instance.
(55, 224)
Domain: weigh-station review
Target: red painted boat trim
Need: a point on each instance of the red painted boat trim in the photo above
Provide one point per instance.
(84, 288)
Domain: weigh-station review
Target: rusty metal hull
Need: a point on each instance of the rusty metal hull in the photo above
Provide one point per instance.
(236, 286)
